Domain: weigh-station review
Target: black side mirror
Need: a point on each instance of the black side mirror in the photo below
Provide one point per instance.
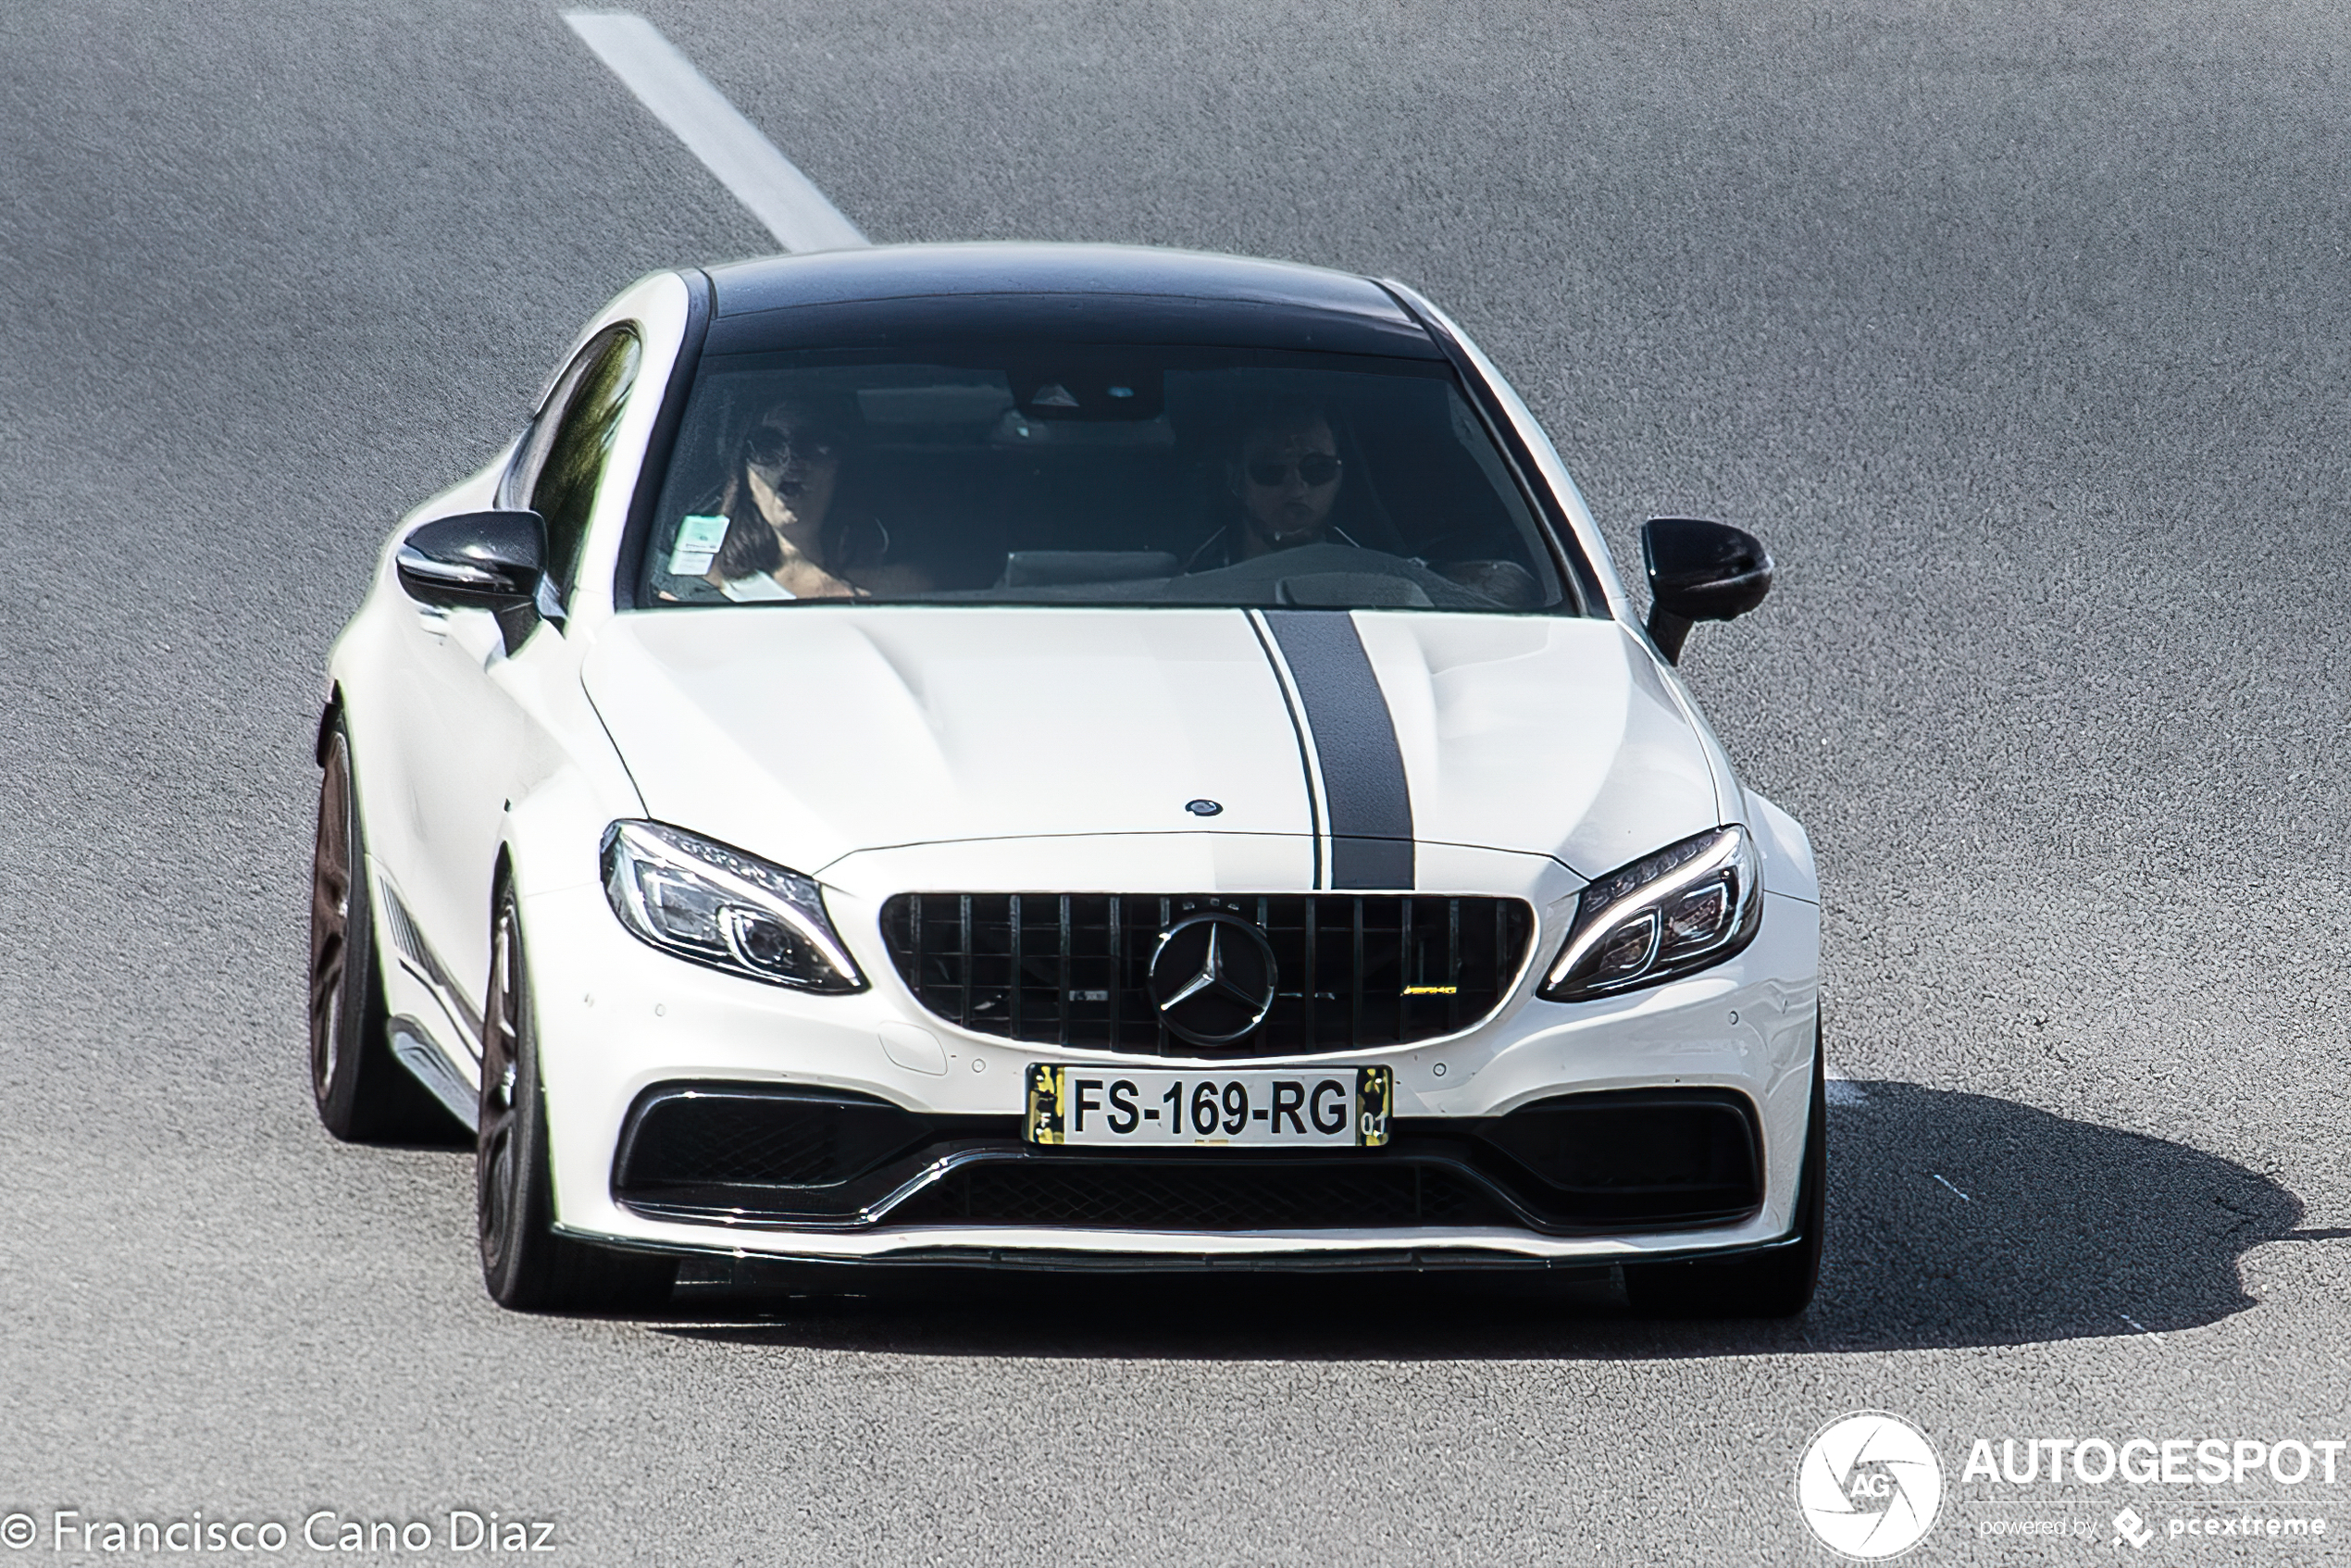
(494, 561)
(1700, 571)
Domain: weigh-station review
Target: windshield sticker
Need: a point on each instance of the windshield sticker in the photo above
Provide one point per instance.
(757, 589)
(698, 541)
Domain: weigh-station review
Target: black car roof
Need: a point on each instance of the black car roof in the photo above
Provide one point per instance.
(1073, 293)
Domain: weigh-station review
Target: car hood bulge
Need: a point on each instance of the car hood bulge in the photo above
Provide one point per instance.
(809, 733)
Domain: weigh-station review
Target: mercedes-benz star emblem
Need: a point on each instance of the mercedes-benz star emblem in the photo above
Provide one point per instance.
(1213, 977)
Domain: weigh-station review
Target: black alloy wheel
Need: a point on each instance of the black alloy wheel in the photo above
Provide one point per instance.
(525, 1264)
(1775, 1284)
(364, 1094)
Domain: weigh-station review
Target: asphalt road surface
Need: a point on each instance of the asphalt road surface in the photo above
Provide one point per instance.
(2019, 332)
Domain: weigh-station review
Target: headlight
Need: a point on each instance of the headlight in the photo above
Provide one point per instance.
(1688, 905)
(699, 900)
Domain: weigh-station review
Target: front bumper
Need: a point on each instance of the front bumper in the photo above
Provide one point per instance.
(618, 1022)
(782, 1158)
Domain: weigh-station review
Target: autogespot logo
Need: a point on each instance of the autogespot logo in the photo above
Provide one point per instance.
(1869, 1485)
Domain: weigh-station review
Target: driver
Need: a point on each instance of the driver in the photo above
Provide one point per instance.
(777, 495)
(1285, 473)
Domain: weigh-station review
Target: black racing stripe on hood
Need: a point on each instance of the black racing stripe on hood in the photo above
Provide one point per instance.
(1371, 807)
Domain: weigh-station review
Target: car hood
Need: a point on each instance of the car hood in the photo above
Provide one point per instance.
(808, 733)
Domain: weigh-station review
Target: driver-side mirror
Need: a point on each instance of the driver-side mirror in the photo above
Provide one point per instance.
(1700, 571)
(493, 561)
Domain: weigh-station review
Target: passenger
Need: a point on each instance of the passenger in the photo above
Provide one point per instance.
(1286, 474)
(777, 497)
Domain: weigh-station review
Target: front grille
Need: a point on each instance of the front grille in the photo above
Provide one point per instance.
(1126, 1195)
(1073, 968)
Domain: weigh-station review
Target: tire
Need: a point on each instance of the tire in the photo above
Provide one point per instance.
(525, 1264)
(1775, 1284)
(363, 1093)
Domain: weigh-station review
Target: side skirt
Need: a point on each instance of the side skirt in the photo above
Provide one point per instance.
(414, 1047)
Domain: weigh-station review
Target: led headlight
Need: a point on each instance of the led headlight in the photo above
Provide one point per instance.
(701, 901)
(1688, 905)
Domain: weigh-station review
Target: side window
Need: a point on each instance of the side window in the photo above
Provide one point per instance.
(563, 461)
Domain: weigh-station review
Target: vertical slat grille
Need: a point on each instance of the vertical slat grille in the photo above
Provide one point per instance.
(1075, 968)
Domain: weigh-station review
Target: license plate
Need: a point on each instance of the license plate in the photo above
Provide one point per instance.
(1271, 1108)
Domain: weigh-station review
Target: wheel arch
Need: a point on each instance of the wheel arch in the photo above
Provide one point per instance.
(329, 717)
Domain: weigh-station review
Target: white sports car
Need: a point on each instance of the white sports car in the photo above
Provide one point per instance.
(1066, 756)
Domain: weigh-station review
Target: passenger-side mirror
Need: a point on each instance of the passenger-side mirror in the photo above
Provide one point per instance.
(1700, 571)
(493, 561)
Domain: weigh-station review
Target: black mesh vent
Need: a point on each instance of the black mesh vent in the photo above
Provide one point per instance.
(1653, 1155)
(760, 1138)
(1123, 1195)
(1696, 1140)
(1073, 968)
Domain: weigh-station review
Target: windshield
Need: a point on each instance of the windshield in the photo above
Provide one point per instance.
(1146, 475)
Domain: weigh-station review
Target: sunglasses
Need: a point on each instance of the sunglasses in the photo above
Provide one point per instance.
(771, 447)
(1315, 469)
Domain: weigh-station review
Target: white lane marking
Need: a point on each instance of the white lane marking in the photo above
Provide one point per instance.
(1963, 1197)
(1845, 1091)
(715, 130)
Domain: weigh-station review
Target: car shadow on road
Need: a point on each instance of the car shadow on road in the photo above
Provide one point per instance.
(1954, 1219)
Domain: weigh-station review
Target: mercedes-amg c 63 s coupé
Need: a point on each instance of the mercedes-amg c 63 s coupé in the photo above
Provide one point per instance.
(1069, 756)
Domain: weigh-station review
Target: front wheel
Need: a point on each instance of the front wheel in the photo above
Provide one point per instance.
(363, 1093)
(1775, 1284)
(523, 1263)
